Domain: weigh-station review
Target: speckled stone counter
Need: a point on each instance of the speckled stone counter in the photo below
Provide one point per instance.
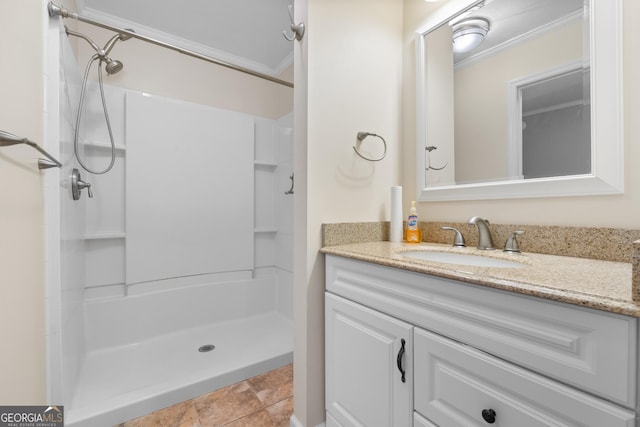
(636, 271)
(607, 244)
(592, 243)
(602, 285)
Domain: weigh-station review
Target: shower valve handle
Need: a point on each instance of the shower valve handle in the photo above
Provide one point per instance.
(82, 184)
(77, 185)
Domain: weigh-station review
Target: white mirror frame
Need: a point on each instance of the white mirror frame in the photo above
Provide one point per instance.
(607, 141)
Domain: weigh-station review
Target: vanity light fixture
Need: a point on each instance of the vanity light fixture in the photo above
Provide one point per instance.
(469, 33)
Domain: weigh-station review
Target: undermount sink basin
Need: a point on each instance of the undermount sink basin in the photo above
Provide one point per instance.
(462, 259)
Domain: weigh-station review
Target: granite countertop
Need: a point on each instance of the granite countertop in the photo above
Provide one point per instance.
(602, 285)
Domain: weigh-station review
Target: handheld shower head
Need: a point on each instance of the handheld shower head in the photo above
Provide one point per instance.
(113, 65)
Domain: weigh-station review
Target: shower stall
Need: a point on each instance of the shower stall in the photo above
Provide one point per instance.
(175, 277)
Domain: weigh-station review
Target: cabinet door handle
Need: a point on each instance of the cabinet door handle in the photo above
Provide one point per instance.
(489, 415)
(399, 360)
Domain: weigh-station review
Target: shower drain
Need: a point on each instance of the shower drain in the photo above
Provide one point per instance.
(206, 348)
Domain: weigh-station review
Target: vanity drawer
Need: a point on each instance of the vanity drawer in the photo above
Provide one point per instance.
(589, 349)
(455, 384)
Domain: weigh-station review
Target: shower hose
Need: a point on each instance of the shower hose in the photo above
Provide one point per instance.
(106, 116)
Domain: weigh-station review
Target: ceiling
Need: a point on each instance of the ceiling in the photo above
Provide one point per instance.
(244, 32)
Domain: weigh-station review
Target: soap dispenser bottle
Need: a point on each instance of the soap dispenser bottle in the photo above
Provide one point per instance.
(414, 234)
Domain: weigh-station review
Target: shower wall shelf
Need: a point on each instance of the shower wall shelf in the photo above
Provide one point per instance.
(260, 163)
(265, 230)
(264, 168)
(105, 236)
(105, 145)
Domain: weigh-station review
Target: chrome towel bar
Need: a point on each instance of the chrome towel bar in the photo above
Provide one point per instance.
(7, 139)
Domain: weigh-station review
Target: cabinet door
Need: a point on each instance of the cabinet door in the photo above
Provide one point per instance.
(369, 378)
(459, 386)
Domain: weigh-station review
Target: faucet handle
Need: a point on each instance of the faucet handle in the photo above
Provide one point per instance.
(77, 185)
(512, 243)
(459, 239)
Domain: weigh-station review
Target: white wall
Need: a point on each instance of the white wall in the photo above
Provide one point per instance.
(22, 294)
(348, 79)
(598, 211)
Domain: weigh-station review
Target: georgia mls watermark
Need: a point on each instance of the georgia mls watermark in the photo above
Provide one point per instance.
(31, 416)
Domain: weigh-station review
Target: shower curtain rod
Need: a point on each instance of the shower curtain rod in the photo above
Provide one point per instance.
(55, 10)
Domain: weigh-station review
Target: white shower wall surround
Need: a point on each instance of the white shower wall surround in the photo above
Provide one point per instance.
(255, 208)
(189, 189)
(218, 271)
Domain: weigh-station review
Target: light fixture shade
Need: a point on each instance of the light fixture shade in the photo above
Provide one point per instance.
(469, 33)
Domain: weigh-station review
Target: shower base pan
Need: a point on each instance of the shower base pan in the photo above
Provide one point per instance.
(122, 383)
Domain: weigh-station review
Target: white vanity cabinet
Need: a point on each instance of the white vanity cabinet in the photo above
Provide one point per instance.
(369, 381)
(474, 355)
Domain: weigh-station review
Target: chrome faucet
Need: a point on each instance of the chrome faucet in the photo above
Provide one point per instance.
(485, 241)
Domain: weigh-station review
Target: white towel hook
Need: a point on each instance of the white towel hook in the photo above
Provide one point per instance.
(297, 29)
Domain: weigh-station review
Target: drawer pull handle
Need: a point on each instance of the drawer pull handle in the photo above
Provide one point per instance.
(399, 360)
(489, 415)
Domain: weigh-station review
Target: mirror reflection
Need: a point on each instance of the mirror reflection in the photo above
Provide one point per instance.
(506, 87)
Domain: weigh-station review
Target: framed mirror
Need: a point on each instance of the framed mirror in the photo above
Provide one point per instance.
(519, 98)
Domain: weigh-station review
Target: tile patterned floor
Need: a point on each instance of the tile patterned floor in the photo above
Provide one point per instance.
(262, 401)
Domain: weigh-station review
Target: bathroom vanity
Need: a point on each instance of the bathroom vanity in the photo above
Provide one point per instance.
(415, 343)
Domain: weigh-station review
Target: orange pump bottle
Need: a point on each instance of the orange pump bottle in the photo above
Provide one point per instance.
(413, 234)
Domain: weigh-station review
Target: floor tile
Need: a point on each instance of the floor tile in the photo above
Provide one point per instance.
(262, 401)
(273, 386)
(181, 415)
(228, 404)
(257, 419)
(281, 412)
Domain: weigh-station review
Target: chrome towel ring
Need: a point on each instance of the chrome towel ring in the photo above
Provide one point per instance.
(361, 137)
